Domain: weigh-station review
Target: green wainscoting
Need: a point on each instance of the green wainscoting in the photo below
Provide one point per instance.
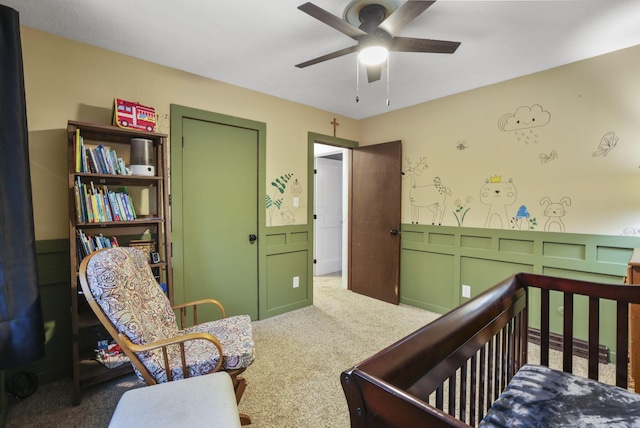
(53, 277)
(437, 260)
(286, 252)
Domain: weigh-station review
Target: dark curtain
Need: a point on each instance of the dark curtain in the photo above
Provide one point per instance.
(21, 325)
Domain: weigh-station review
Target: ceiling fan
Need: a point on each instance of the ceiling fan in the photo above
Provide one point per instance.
(378, 29)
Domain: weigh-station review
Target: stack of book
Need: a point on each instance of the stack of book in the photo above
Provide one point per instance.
(97, 160)
(88, 244)
(98, 204)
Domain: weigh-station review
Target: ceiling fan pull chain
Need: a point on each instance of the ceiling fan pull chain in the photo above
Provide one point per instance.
(388, 102)
(357, 80)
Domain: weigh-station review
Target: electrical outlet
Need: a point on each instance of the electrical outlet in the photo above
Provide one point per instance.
(296, 281)
(466, 291)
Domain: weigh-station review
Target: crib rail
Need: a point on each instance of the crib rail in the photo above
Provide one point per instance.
(449, 372)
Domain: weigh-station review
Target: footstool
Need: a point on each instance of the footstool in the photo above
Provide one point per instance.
(200, 401)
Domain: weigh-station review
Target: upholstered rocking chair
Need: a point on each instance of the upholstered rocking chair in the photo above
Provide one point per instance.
(123, 293)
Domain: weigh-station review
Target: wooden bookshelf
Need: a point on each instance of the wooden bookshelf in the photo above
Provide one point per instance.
(155, 226)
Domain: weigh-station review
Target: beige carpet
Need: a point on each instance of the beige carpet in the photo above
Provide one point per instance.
(295, 380)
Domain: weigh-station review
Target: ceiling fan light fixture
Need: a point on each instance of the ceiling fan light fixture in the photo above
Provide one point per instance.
(373, 55)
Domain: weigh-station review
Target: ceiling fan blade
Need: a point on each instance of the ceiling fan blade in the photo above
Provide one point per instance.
(403, 15)
(331, 20)
(328, 56)
(409, 44)
(374, 72)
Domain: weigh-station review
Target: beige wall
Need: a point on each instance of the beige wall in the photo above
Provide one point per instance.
(584, 102)
(66, 80)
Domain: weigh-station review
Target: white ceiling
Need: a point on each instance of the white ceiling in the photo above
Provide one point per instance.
(256, 43)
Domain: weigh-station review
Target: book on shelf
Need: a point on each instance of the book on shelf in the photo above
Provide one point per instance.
(87, 244)
(104, 169)
(108, 161)
(105, 201)
(116, 163)
(115, 207)
(83, 158)
(98, 159)
(128, 205)
(101, 204)
(123, 168)
(79, 206)
(78, 152)
(131, 208)
(92, 162)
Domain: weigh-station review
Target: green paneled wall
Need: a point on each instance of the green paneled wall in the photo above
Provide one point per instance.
(481, 274)
(437, 260)
(424, 278)
(286, 252)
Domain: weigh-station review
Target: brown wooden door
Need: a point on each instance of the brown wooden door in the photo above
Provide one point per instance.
(374, 253)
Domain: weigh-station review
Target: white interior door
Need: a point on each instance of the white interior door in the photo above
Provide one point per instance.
(328, 210)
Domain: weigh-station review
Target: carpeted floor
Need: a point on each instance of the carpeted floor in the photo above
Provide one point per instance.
(295, 380)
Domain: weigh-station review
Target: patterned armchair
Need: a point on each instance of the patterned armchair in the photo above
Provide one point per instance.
(123, 293)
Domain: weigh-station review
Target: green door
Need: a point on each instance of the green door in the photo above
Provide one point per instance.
(220, 214)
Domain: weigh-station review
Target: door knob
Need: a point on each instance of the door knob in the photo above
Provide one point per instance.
(394, 231)
(252, 238)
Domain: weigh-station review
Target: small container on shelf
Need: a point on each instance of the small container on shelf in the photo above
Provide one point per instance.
(142, 162)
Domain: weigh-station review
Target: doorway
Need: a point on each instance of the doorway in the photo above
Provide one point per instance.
(371, 225)
(331, 212)
(337, 149)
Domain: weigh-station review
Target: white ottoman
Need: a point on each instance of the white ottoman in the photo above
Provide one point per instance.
(194, 402)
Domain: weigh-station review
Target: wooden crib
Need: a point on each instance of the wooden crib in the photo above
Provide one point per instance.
(451, 371)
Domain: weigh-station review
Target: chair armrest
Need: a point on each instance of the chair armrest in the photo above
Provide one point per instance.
(184, 306)
(164, 344)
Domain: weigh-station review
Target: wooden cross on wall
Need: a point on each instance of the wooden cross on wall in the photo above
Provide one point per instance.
(335, 124)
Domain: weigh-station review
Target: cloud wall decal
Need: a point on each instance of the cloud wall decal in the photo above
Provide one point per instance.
(523, 118)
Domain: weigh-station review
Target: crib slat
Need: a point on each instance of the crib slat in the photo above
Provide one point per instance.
(474, 387)
(524, 335)
(498, 367)
(622, 343)
(503, 363)
(594, 337)
(483, 382)
(518, 343)
(463, 392)
(511, 364)
(544, 327)
(452, 394)
(491, 362)
(567, 334)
